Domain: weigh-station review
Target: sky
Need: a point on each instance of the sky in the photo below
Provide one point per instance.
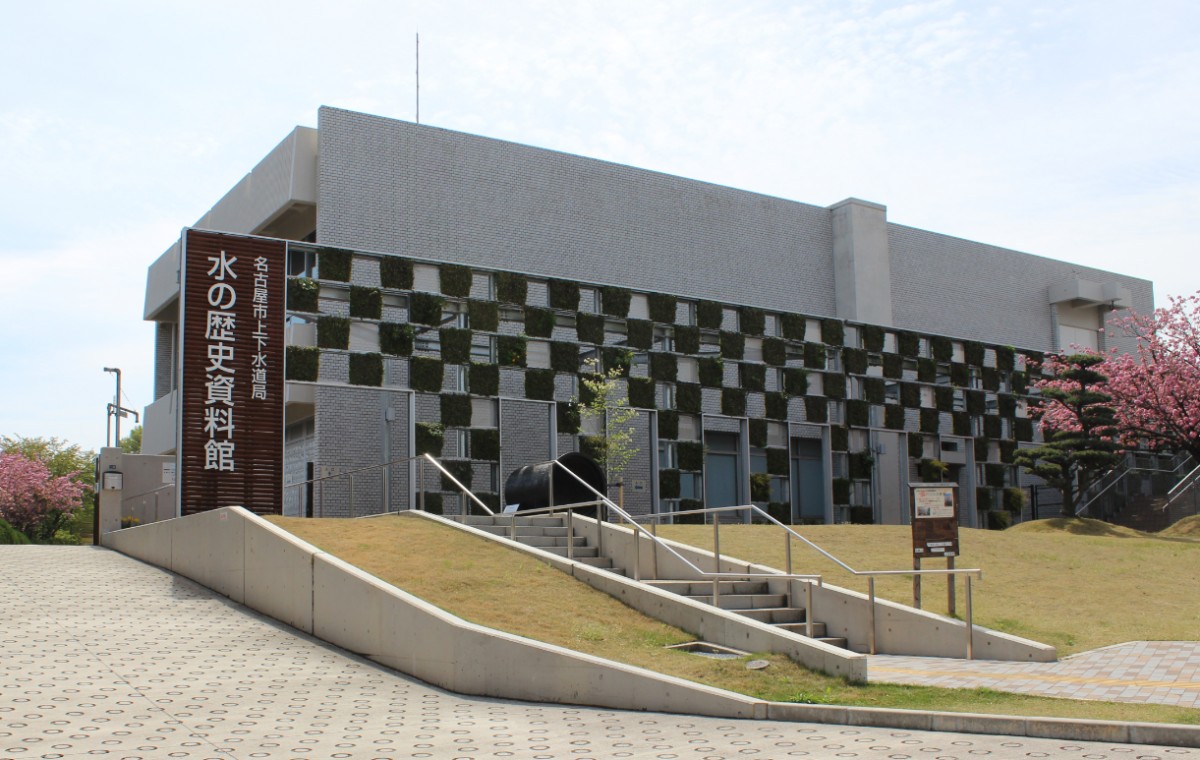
(1064, 129)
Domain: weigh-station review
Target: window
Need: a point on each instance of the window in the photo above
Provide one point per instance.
(301, 262)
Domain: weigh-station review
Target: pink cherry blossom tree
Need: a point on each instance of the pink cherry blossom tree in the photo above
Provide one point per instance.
(33, 500)
(1156, 390)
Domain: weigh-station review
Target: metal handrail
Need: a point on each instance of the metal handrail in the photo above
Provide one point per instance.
(869, 574)
(1127, 468)
(1179, 489)
(420, 459)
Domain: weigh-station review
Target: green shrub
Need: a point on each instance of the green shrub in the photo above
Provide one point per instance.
(777, 461)
(456, 345)
(664, 367)
(733, 401)
(776, 405)
(814, 356)
(395, 272)
(455, 280)
(976, 402)
(691, 455)
(910, 395)
(998, 519)
(433, 502)
(960, 375)
(997, 474)
(589, 328)
(1006, 405)
(366, 369)
(839, 439)
(991, 379)
(858, 413)
(333, 332)
(668, 484)
(991, 426)
(564, 294)
(926, 370)
(1005, 356)
(931, 420)
(833, 384)
(616, 359)
(795, 381)
(539, 322)
(758, 433)
(774, 351)
(10, 535)
(893, 417)
(484, 379)
(874, 389)
(688, 505)
(430, 437)
(907, 343)
(932, 470)
(641, 393)
(614, 301)
(425, 374)
(668, 424)
(539, 384)
(816, 409)
(982, 448)
(916, 444)
(1014, 499)
(944, 395)
(1007, 450)
(569, 417)
(425, 308)
(760, 486)
(688, 398)
(511, 350)
(334, 264)
(302, 363)
(511, 288)
(794, 326)
(753, 376)
(593, 446)
(302, 294)
(973, 353)
(483, 315)
(564, 356)
(662, 307)
(833, 332)
(872, 337)
(456, 410)
(893, 366)
(1019, 382)
(983, 498)
(366, 303)
(942, 348)
(861, 463)
(961, 423)
(733, 345)
(712, 371)
(639, 333)
(855, 361)
(862, 516)
(751, 321)
(841, 491)
(687, 339)
(781, 511)
(396, 338)
(710, 315)
(462, 471)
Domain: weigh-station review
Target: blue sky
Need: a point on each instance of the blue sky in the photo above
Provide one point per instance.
(1064, 129)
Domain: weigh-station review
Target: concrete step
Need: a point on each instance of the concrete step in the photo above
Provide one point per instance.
(777, 615)
(542, 542)
(836, 641)
(581, 552)
(540, 521)
(802, 628)
(743, 601)
(700, 588)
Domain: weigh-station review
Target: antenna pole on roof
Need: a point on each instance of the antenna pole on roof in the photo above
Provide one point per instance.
(418, 77)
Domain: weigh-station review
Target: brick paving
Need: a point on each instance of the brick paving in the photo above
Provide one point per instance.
(1153, 672)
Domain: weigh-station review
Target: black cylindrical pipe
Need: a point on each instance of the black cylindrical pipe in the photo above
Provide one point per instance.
(529, 486)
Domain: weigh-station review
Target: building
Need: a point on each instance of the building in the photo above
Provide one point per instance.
(447, 291)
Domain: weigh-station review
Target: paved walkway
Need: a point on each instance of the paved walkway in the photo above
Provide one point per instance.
(103, 656)
(1156, 672)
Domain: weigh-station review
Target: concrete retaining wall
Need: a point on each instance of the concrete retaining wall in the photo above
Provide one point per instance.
(240, 555)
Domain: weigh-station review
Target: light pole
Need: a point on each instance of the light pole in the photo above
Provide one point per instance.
(116, 406)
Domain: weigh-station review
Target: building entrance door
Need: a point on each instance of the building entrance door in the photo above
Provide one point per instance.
(721, 482)
(808, 479)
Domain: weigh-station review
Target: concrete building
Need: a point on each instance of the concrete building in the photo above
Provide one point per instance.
(811, 358)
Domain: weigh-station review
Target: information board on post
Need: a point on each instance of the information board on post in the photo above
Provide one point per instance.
(934, 513)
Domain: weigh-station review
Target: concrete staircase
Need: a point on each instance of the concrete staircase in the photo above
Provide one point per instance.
(754, 600)
(545, 532)
(750, 598)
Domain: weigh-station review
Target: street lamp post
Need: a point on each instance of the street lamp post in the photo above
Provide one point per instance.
(116, 406)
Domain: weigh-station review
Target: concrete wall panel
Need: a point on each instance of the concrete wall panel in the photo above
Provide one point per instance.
(209, 548)
(279, 570)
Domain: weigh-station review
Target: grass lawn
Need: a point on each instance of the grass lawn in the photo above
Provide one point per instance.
(500, 588)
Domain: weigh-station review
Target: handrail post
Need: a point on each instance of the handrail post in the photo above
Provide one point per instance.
(570, 534)
(637, 554)
(600, 528)
(512, 526)
(716, 560)
(871, 596)
(970, 623)
(420, 483)
(654, 548)
(787, 549)
(352, 496)
(808, 609)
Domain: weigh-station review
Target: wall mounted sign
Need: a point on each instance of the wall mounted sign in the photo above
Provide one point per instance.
(230, 445)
